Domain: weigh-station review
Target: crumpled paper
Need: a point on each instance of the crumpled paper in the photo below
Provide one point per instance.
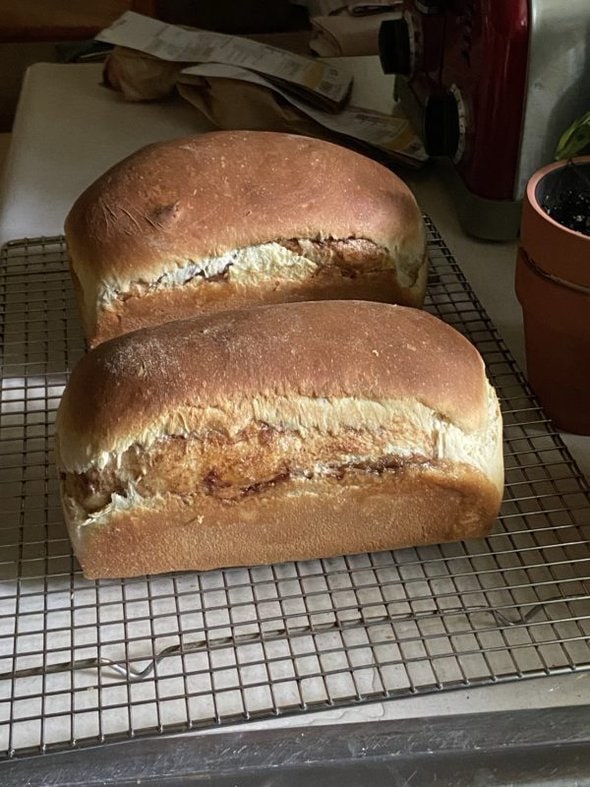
(230, 104)
(235, 103)
(224, 102)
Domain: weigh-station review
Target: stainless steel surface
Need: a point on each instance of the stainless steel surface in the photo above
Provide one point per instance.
(549, 747)
(268, 641)
(558, 80)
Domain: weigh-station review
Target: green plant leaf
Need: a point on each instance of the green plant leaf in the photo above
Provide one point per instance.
(575, 139)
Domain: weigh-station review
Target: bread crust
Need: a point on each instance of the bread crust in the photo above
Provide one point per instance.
(227, 369)
(154, 308)
(296, 521)
(210, 195)
(277, 433)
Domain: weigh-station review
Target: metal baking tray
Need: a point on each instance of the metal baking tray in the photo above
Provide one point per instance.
(84, 662)
(546, 746)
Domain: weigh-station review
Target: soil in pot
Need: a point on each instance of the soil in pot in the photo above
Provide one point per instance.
(566, 198)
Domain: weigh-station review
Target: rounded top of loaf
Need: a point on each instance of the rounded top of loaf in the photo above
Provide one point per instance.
(199, 373)
(202, 196)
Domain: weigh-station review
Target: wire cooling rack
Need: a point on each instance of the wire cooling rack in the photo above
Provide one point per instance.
(88, 662)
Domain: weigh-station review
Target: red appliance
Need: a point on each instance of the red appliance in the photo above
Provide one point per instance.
(490, 84)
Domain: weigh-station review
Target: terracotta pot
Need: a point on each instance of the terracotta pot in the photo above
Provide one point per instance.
(553, 287)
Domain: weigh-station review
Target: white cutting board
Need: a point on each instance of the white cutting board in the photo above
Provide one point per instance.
(68, 130)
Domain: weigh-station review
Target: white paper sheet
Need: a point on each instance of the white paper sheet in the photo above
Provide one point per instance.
(173, 43)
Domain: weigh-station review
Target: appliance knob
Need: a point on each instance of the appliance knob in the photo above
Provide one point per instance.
(442, 125)
(395, 48)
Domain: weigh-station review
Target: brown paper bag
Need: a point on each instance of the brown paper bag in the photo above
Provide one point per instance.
(140, 77)
(224, 102)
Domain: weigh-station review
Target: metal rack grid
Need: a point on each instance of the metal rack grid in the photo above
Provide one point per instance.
(88, 662)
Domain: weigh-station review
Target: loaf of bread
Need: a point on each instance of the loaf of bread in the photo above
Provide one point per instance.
(233, 219)
(280, 432)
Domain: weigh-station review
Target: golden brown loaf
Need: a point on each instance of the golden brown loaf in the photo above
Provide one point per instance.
(232, 219)
(282, 432)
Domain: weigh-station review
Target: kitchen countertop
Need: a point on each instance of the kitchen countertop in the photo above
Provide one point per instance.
(69, 129)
